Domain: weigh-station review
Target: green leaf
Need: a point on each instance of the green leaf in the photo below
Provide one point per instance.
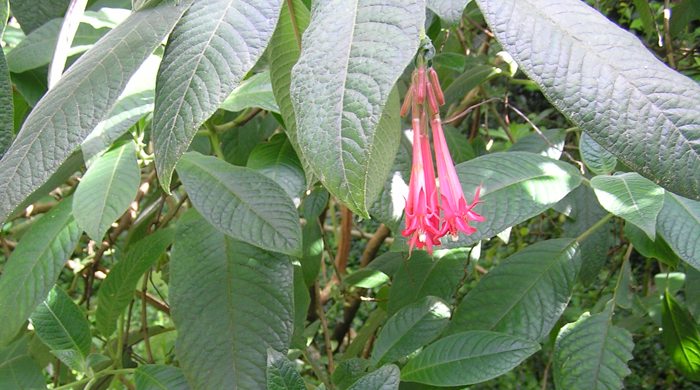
(348, 371)
(448, 10)
(475, 76)
(366, 278)
(653, 249)
(135, 101)
(592, 354)
(230, 302)
(639, 109)
(253, 92)
(284, 48)
(277, 160)
(515, 186)
(106, 190)
(524, 295)
(211, 49)
(62, 326)
(117, 290)
(679, 225)
(242, 203)
(281, 373)
(159, 377)
(596, 158)
(582, 206)
(34, 266)
(681, 337)
(385, 378)
(80, 100)
(239, 142)
(37, 48)
(410, 328)
(549, 144)
(348, 125)
(302, 301)
(631, 197)
(17, 369)
(33, 14)
(645, 14)
(312, 251)
(682, 14)
(421, 275)
(467, 358)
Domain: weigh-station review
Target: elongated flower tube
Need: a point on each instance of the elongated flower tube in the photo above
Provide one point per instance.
(457, 213)
(422, 210)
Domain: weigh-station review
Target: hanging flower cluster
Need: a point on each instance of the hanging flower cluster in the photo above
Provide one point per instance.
(424, 223)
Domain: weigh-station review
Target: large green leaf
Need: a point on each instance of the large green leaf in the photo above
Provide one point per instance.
(106, 190)
(448, 10)
(639, 109)
(38, 47)
(420, 275)
(242, 203)
(135, 101)
(385, 378)
(80, 100)
(253, 92)
(631, 197)
(515, 186)
(34, 266)
(117, 290)
(62, 326)
(550, 143)
(411, 328)
(210, 50)
(679, 224)
(277, 160)
(281, 373)
(592, 354)
(353, 53)
(524, 295)
(285, 47)
(17, 369)
(467, 358)
(159, 377)
(597, 159)
(681, 336)
(230, 302)
(33, 14)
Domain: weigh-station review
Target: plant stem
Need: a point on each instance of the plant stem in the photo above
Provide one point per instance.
(97, 375)
(593, 228)
(324, 327)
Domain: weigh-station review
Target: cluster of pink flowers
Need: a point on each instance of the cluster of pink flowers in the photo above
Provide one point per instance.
(424, 223)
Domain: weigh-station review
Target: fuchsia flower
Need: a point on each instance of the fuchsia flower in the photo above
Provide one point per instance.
(422, 210)
(422, 207)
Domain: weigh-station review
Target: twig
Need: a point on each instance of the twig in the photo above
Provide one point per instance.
(568, 155)
(351, 308)
(667, 34)
(144, 318)
(324, 327)
(153, 301)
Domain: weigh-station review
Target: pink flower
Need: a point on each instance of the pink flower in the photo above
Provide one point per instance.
(423, 219)
(456, 211)
(422, 210)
